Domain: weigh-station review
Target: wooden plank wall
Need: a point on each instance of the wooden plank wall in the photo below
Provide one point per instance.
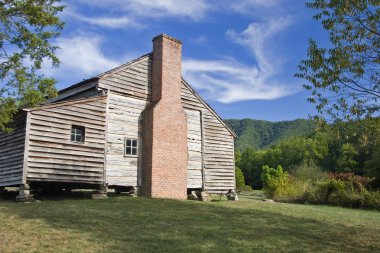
(194, 143)
(132, 80)
(84, 90)
(12, 152)
(218, 146)
(53, 157)
(124, 121)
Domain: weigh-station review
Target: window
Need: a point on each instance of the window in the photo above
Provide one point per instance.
(77, 133)
(130, 146)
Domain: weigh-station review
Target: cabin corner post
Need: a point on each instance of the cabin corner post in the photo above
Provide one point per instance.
(26, 148)
(203, 153)
(24, 188)
(105, 182)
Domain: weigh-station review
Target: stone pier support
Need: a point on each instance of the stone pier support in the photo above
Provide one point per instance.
(24, 194)
(134, 192)
(100, 193)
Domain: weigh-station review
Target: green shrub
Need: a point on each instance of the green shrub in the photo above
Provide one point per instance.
(294, 191)
(240, 181)
(275, 181)
(245, 188)
(371, 200)
(308, 170)
(239, 177)
(315, 187)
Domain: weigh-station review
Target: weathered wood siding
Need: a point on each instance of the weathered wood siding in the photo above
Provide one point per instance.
(133, 79)
(12, 152)
(53, 157)
(194, 141)
(84, 90)
(218, 146)
(124, 114)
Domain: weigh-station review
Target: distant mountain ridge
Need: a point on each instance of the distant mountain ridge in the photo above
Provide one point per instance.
(260, 134)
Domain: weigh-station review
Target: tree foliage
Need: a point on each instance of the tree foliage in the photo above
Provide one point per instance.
(340, 147)
(344, 80)
(26, 30)
(239, 177)
(259, 134)
(275, 180)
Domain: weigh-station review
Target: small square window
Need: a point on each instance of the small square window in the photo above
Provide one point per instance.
(131, 146)
(77, 133)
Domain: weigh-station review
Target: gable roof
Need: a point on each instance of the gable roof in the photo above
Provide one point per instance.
(123, 66)
(128, 64)
(108, 72)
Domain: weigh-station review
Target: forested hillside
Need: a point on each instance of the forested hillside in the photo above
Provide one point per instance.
(258, 134)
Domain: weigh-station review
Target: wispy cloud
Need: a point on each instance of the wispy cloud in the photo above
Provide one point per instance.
(194, 9)
(138, 13)
(104, 21)
(257, 38)
(81, 56)
(199, 39)
(229, 81)
(245, 6)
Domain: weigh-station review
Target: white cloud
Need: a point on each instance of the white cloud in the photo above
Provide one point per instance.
(201, 39)
(194, 9)
(246, 6)
(229, 81)
(257, 38)
(108, 22)
(80, 55)
(135, 13)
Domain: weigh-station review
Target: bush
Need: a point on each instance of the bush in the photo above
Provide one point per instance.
(371, 200)
(307, 170)
(315, 187)
(275, 181)
(245, 188)
(239, 177)
(240, 181)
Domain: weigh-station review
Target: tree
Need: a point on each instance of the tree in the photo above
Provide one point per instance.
(344, 80)
(239, 178)
(347, 159)
(26, 30)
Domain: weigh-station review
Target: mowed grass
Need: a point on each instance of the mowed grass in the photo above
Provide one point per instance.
(123, 224)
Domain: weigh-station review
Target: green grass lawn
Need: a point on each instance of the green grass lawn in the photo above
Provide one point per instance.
(123, 224)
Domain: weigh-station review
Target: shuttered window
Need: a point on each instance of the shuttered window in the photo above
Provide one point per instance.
(77, 133)
(131, 146)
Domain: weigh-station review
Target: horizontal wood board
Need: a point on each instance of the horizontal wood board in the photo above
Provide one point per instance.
(53, 157)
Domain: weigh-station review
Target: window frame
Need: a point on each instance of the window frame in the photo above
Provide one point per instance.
(82, 135)
(131, 146)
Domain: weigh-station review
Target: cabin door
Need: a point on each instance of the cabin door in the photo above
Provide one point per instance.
(194, 143)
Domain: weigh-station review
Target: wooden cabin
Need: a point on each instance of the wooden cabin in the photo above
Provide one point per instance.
(139, 126)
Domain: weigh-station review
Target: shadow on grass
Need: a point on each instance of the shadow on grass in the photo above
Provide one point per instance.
(125, 224)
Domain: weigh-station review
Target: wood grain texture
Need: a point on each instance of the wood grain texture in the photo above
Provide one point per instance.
(218, 145)
(133, 79)
(124, 114)
(12, 152)
(52, 157)
(84, 90)
(194, 141)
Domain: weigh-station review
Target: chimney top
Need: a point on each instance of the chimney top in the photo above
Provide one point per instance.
(166, 37)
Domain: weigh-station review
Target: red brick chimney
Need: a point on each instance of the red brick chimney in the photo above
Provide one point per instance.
(165, 156)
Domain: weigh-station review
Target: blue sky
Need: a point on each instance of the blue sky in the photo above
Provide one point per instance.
(239, 55)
